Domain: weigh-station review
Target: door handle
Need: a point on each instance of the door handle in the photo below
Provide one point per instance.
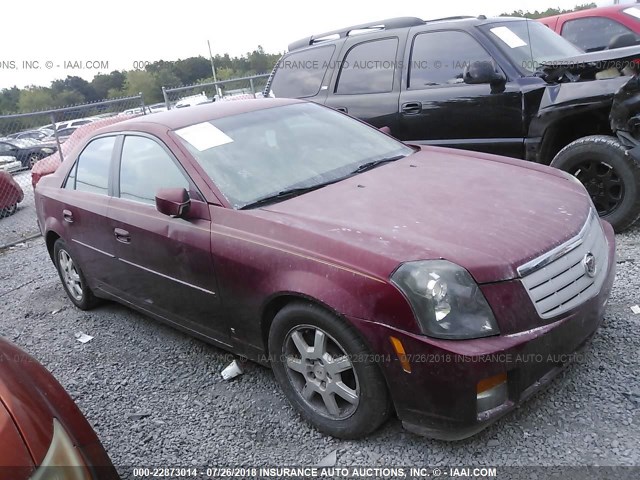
(412, 108)
(67, 215)
(342, 109)
(122, 235)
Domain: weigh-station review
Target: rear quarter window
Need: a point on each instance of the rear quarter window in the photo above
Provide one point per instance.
(300, 74)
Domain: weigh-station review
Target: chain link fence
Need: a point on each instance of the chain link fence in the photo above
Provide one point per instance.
(33, 145)
(233, 89)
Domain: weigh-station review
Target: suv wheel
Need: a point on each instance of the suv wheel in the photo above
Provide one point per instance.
(611, 177)
(326, 372)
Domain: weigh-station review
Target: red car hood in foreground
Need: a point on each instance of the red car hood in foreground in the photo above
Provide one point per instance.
(488, 216)
(13, 451)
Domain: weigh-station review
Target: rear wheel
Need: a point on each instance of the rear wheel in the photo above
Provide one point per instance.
(326, 372)
(609, 174)
(73, 280)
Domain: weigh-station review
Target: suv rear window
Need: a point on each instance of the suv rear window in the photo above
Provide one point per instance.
(300, 74)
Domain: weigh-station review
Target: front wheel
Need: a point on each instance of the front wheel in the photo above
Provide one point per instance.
(326, 372)
(610, 175)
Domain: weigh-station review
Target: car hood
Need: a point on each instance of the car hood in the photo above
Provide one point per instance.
(624, 53)
(13, 451)
(617, 58)
(486, 213)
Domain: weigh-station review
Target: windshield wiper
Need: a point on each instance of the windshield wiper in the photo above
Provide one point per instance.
(370, 165)
(284, 194)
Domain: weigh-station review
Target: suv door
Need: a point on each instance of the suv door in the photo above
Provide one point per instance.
(438, 108)
(367, 85)
(164, 264)
(83, 211)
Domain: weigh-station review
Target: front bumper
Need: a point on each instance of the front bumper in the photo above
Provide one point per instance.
(438, 398)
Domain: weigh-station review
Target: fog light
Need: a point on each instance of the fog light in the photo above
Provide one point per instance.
(491, 392)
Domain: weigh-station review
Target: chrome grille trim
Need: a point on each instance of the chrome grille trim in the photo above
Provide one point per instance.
(559, 251)
(559, 281)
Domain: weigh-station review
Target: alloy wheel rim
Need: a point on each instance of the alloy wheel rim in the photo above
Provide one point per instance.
(70, 275)
(321, 372)
(603, 184)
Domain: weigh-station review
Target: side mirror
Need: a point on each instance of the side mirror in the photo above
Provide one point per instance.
(385, 129)
(482, 72)
(173, 202)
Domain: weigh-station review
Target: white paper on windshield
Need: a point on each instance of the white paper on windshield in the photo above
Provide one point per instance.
(204, 136)
(507, 36)
(633, 11)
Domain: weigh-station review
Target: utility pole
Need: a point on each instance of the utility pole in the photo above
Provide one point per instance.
(213, 69)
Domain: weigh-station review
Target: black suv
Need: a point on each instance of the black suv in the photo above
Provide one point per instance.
(507, 86)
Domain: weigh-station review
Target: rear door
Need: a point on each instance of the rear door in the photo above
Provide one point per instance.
(438, 108)
(367, 85)
(304, 73)
(164, 264)
(83, 211)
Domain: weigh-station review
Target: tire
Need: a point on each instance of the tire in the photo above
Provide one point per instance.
(609, 174)
(73, 280)
(8, 211)
(317, 375)
(32, 160)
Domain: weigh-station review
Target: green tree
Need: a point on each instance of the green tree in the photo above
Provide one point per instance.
(141, 81)
(9, 98)
(549, 12)
(35, 98)
(102, 83)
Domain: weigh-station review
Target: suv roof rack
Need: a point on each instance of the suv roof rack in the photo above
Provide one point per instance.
(388, 24)
(457, 17)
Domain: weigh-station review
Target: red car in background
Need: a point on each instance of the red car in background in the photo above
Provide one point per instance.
(11, 194)
(599, 28)
(43, 434)
(50, 164)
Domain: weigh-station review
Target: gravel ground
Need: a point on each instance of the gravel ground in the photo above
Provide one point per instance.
(134, 365)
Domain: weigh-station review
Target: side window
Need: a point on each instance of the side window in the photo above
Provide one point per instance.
(300, 74)
(593, 33)
(5, 147)
(439, 58)
(91, 171)
(368, 68)
(146, 167)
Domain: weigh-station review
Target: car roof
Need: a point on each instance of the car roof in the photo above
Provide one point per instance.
(183, 117)
(613, 10)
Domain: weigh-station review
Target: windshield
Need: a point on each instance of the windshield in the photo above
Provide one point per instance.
(255, 155)
(529, 44)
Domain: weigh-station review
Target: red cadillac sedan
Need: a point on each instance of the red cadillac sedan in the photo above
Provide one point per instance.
(371, 275)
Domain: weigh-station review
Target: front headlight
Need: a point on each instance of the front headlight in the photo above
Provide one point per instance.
(445, 300)
(63, 459)
(48, 150)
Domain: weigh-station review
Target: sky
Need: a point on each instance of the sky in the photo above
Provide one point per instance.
(81, 38)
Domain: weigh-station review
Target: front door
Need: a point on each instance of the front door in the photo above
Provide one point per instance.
(438, 108)
(164, 264)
